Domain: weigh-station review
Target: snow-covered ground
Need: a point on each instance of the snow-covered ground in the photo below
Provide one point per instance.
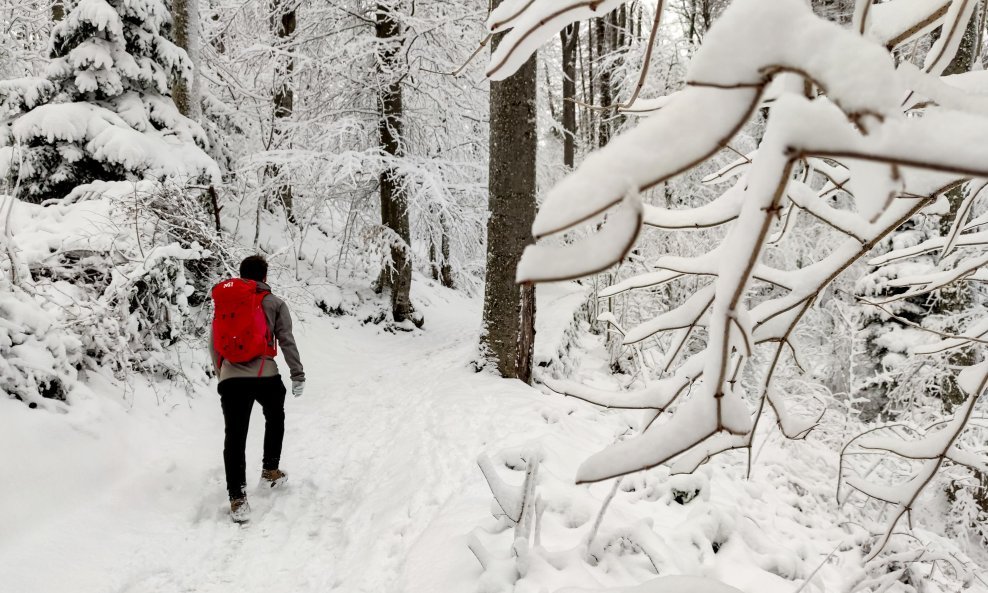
(122, 494)
(129, 498)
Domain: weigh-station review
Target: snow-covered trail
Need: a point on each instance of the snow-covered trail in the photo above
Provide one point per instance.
(383, 440)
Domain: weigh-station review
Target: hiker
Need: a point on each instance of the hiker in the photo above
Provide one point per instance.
(248, 325)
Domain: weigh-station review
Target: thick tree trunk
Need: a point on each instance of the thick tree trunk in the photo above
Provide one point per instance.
(283, 23)
(509, 309)
(394, 205)
(185, 16)
(57, 10)
(570, 38)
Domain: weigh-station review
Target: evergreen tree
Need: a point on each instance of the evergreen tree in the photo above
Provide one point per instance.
(102, 111)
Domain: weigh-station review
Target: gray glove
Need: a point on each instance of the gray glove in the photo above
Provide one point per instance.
(297, 387)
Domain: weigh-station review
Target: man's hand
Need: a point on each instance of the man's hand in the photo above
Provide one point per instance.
(297, 387)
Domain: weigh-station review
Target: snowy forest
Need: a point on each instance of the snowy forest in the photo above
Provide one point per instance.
(599, 296)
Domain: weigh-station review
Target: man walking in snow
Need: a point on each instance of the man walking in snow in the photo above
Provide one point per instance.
(249, 325)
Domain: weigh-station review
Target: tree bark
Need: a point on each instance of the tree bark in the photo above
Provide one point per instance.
(394, 204)
(433, 258)
(570, 38)
(509, 309)
(440, 267)
(185, 29)
(57, 10)
(583, 63)
(283, 24)
(445, 268)
(603, 36)
(592, 86)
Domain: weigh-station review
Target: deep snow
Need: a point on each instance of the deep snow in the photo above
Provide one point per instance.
(125, 495)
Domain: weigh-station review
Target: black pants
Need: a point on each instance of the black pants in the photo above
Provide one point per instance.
(237, 398)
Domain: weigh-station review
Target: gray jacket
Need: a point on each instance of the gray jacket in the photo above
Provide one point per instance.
(280, 320)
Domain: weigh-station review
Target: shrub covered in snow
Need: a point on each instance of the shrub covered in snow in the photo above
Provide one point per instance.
(109, 277)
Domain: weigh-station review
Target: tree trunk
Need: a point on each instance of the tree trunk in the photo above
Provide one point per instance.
(509, 309)
(620, 42)
(570, 38)
(603, 41)
(592, 86)
(185, 16)
(433, 258)
(445, 268)
(586, 88)
(439, 265)
(283, 23)
(57, 10)
(394, 204)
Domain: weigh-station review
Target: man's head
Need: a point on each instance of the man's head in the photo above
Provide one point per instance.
(254, 268)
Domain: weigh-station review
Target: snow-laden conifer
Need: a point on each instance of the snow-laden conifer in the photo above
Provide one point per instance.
(102, 110)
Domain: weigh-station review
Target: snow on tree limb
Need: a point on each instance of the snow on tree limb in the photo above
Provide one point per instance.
(646, 156)
(506, 496)
(954, 24)
(544, 262)
(720, 211)
(950, 241)
(898, 22)
(657, 396)
(977, 331)
(532, 25)
(933, 448)
(738, 167)
(687, 315)
(645, 280)
(694, 422)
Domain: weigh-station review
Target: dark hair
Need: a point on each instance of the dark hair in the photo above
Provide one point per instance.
(254, 268)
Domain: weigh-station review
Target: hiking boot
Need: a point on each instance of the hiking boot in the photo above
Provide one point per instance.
(274, 477)
(239, 510)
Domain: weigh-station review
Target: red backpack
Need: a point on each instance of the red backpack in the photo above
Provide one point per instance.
(240, 327)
